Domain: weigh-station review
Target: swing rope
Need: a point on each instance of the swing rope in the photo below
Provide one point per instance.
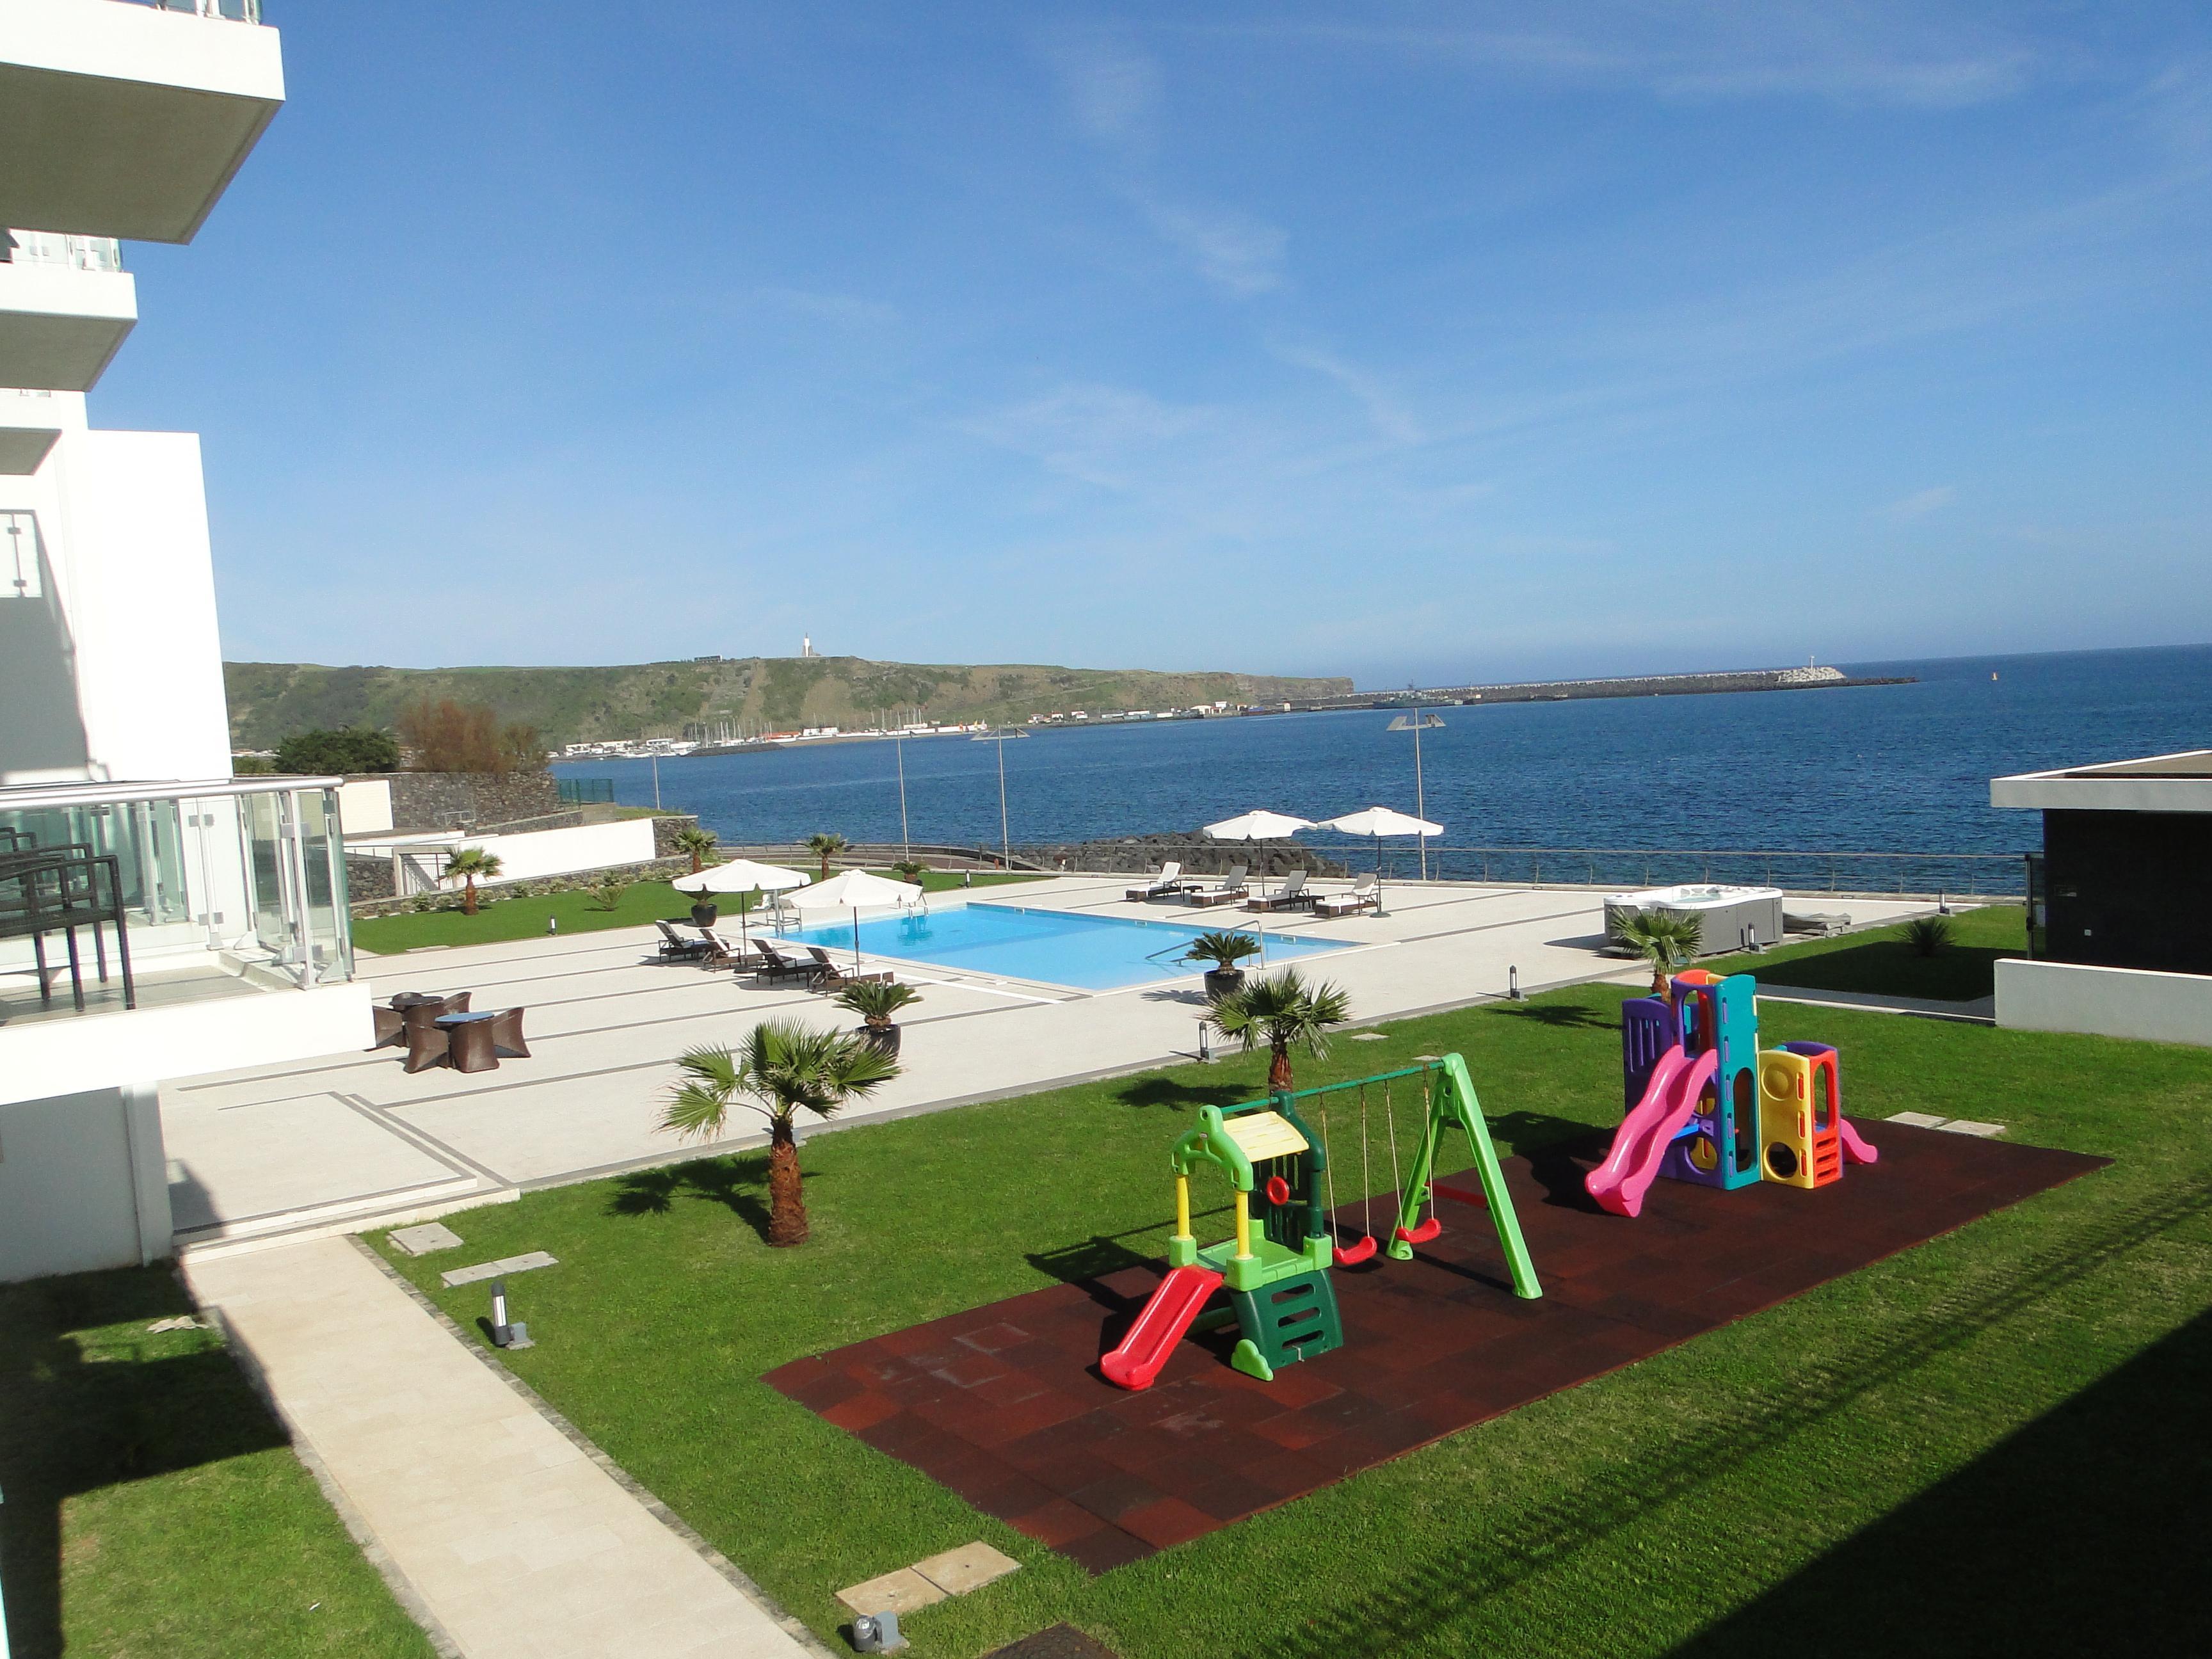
(1422, 1230)
(1366, 1180)
(1349, 1256)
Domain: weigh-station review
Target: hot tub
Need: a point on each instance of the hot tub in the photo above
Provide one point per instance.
(1733, 917)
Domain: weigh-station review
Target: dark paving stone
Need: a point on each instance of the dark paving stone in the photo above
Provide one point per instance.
(1003, 1404)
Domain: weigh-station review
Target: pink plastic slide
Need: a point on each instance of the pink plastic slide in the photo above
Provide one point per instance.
(1174, 1304)
(1854, 1148)
(1670, 1100)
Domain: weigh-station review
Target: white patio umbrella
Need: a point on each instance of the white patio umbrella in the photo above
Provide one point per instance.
(1376, 822)
(1257, 826)
(855, 890)
(741, 876)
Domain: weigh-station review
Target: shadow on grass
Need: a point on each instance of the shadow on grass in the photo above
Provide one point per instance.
(1882, 967)
(738, 1184)
(1569, 1015)
(1166, 1092)
(1408, 1607)
(2085, 1531)
(77, 1421)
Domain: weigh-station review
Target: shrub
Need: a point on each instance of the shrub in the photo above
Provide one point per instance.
(341, 749)
(1928, 935)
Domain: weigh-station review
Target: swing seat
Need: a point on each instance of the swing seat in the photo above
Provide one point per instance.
(1351, 1255)
(1421, 1233)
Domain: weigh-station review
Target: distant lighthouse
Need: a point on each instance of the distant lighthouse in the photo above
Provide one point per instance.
(806, 645)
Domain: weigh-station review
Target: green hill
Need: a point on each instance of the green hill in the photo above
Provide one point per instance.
(270, 701)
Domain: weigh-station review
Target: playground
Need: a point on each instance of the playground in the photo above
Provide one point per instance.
(1768, 1408)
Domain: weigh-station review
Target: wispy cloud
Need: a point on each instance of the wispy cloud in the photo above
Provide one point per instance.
(1863, 54)
(1238, 253)
(1920, 503)
(1390, 417)
(846, 310)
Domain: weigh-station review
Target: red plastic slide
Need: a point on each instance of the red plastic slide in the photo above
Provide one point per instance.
(1160, 1326)
(1670, 1100)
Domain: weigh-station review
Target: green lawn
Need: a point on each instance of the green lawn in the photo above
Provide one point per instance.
(1880, 961)
(1995, 1443)
(154, 1509)
(503, 919)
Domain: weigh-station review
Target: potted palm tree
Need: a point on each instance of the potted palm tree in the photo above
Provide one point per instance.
(877, 1001)
(1665, 939)
(782, 1065)
(826, 847)
(1283, 1012)
(1225, 950)
(907, 870)
(468, 865)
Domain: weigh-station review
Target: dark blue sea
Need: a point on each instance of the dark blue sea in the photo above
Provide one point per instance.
(1891, 769)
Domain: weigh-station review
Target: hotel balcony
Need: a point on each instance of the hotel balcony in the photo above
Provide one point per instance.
(30, 424)
(125, 120)
(65, 305)
(160, 930)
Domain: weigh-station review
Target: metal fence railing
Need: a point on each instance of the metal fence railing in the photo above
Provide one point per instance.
(235, 11)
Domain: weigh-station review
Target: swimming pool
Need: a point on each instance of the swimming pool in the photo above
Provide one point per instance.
(1092, 953)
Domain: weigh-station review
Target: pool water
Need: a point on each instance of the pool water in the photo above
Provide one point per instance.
(1091, 954)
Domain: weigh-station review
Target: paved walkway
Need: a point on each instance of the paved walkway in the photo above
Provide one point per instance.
(339, 1140)
(515, 1541)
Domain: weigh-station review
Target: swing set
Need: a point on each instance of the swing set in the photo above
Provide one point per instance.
(1275, 1274)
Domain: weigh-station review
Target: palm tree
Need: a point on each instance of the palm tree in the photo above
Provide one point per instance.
(782, 1065)
(697, 842)
(1663, 939)
(877, 1002)
(468, 863)
(1283, 1012)
(826, 847)
(907, 870)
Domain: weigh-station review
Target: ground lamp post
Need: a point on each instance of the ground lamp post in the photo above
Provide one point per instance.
(906, 835)
(1416, 724)
(1005, 845)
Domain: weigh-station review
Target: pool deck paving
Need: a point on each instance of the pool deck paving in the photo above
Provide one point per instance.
(350, 1139)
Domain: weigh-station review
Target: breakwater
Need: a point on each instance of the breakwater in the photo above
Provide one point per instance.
(1636, 685)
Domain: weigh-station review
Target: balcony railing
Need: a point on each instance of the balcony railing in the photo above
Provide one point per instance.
(235, 11)
(50, 247)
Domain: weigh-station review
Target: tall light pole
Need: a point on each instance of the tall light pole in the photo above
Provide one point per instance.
(905, 836)
(1005, 848)
(1414, 723)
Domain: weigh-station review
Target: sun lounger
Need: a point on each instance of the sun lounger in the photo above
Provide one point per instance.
(1289, 896)
(1166, 885)
(720, 950)
(776, 964)
(1366, 894)
(828, 976)
(1230, 889)
(674, 947)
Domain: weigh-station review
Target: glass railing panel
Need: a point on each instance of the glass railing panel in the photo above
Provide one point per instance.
(52, 248)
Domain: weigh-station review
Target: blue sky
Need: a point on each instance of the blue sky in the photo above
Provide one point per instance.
(1414, 342)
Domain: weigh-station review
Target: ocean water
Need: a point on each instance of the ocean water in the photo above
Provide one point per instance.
(1901, 768)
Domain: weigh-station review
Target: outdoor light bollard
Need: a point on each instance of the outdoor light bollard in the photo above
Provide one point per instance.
(877, 1632)
(504, 1335)
(1205, 1047)
(552, 924)
(1513, 982)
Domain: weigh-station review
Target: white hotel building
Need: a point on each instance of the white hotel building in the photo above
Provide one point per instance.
(121, 827)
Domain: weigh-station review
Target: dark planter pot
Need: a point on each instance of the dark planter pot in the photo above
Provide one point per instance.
(703, 915)
(1220, 981)
(884, 1037)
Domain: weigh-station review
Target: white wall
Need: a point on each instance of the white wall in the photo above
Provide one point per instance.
(82, 1182)
(365, 804)
(122, 516)
(267, 1028)
(2121, 1002)
(534, 854)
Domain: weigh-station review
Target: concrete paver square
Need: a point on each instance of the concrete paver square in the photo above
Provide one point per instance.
(1963, 1126)
(1917, 1120)
(508, 1264)
(970, 1567)
(900, 1592)
(421, 1241)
